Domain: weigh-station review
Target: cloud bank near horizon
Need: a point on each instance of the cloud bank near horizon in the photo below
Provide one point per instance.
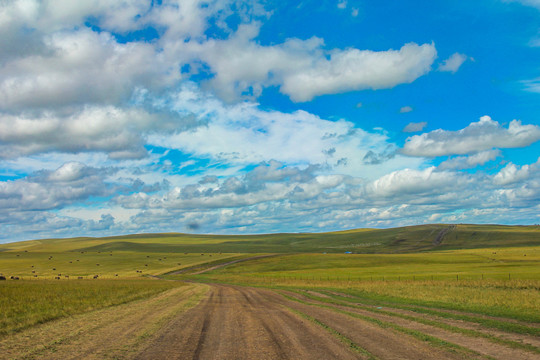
(136, 116)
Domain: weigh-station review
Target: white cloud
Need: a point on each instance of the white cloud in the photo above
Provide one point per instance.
(116, 131)
(408, 182)
(405, 109)
(354, 69)
(511, 174)
(243, 134)
(82, 67)
(415, 127)
(70, 183)
(453, 63)
(479, 136)
(467, 162)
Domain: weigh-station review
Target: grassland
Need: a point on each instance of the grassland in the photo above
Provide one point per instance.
(501, 282)
(483, 275)
(26, 303)
(411, 239)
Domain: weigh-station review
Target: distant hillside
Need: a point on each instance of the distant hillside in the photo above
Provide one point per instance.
(395, 240)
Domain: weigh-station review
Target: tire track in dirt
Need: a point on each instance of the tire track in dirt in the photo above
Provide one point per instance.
(242, 324)
(478, 344)
(106, 333)
(236, 322)
(440, 310)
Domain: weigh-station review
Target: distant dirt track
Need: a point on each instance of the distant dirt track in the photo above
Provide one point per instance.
(221, 265)
(250, 323)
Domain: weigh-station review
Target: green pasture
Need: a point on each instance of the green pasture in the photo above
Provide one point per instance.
(125, 264)
(26, 303)
(491, 263)
(486, 269)
(409, 239)
(496, 281)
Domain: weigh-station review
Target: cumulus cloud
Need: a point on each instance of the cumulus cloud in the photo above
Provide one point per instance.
(453, 63)
(119, 132)
(303, 69)
(479, 136)
(467, 162)
(70, 183)
(82, 67)
(415, 127)
(511, 174)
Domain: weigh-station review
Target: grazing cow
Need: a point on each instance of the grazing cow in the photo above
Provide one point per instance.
(66, 276)
(57, 277)
(80, 277)
(115, 274)
(35, 275)
(15, 278)
(54, 269)
(96, 276)
(33, 271)
(2, 277)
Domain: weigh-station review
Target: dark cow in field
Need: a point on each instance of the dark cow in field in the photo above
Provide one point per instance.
(2, 277)
(96, 276)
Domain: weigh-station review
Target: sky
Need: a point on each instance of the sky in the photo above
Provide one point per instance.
(243, 117)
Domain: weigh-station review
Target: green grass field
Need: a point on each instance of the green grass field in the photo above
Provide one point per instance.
(409, 239)
(26, 303)
(497, 281)
(483, 269)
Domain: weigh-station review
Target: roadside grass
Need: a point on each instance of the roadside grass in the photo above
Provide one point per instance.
(27, 303)
(371, 303)
(431, 322)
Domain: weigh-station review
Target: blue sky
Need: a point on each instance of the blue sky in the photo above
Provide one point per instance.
(236, 117)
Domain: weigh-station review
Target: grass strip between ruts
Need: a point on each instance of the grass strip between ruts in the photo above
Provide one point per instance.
(355, 347)
(438, 324)
(492, 323)
(414, 333)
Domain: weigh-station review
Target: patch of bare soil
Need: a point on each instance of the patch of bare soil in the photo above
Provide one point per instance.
(243, 323)
(111, 333)
(478, 344)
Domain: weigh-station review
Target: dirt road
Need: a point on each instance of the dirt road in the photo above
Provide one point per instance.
(210, 321)
(249, 323)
